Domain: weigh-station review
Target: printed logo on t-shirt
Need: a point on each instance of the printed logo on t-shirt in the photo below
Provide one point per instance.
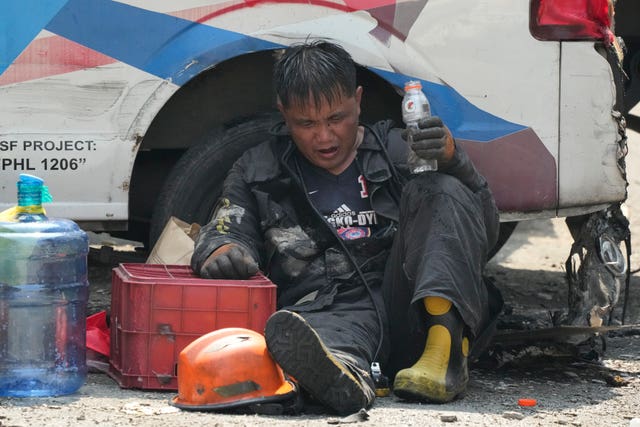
(343, 200)
(353, 233)
(350, 224)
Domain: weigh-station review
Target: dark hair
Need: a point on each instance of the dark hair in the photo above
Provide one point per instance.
(317, 70)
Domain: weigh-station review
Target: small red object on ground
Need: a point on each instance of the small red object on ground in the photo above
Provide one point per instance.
(527, 402)
(98, 333)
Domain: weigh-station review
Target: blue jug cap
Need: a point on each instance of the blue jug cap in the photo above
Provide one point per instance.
(32, 191)
(25, 178)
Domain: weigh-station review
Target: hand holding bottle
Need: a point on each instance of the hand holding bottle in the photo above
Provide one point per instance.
(415, 107)
(431, 140)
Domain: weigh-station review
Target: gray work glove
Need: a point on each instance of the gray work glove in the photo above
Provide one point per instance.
(231, 261)
(432, 140)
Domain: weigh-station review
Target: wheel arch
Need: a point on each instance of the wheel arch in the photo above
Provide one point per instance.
(215, 100)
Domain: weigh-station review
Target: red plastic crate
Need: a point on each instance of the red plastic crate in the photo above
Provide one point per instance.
(157, 310)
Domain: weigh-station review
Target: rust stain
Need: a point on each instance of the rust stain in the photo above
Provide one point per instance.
(138, 142)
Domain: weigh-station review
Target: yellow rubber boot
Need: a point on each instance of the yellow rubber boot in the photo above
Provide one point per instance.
(441, 373)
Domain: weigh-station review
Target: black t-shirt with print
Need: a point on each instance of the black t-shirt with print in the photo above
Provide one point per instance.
(343, 199)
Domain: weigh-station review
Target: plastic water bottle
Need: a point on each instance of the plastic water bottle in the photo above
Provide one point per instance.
(415, 106)
(44, 291)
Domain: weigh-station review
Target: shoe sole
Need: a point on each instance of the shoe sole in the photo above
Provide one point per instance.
(299, 351)
(422, 392)
(409, 385)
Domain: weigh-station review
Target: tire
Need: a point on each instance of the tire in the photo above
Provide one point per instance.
(195, 182)
(506, 229)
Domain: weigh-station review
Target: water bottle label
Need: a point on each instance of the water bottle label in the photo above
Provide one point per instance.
(414, 108)
(410, 106)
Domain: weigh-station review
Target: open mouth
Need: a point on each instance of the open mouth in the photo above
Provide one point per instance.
(328, 151)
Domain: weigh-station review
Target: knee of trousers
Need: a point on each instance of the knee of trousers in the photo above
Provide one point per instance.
(434, 183)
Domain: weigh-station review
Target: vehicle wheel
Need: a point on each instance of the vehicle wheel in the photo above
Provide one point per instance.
(195, 182)
(506, 229)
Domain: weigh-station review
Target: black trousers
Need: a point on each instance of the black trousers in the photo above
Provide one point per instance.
(440, 249)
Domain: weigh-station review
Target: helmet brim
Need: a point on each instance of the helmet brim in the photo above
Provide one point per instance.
(286, 391)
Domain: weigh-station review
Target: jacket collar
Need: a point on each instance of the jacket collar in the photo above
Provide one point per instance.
(373, 158)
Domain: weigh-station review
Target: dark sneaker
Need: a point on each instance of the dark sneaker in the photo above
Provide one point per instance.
(298, 349)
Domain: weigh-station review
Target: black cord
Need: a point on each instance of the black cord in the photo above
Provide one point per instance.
(397, 182)
(628, 278)
(351, 259)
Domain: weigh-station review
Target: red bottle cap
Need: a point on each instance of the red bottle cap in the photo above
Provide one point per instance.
(527, 402)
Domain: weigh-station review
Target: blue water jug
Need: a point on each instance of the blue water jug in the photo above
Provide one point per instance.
(44, 291)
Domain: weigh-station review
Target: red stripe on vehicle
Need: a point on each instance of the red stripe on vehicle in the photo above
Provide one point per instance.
(382, 10)
(50, 56)
(528, 181)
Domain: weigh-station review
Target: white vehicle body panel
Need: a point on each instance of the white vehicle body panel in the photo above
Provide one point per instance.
(478, 53)
(588, 163)
(79, 132)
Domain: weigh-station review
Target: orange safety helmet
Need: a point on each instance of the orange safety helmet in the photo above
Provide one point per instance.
(229, 368)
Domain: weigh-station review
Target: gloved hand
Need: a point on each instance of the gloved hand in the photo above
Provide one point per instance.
(432, 140)
(230, 261)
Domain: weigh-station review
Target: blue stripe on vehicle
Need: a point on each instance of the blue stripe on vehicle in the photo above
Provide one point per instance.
(20, 22)
(465, 120)
(178, 49)
(162, 45)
